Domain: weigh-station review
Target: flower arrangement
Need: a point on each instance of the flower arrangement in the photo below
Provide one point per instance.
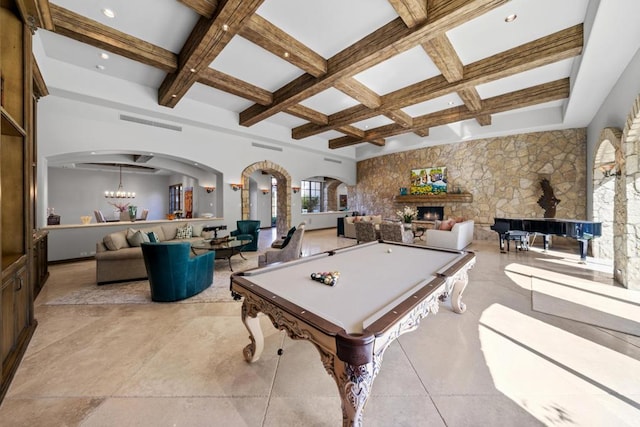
(121, 206)
(407, 214)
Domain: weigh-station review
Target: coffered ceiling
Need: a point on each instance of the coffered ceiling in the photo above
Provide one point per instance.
(374, 74)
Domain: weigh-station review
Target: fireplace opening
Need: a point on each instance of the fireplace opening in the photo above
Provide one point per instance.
(430, 213)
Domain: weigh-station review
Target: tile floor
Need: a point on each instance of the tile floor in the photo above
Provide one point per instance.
(498, 364)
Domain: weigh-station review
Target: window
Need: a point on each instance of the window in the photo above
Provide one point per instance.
(175, 198)
(311, 193)
(274, 201)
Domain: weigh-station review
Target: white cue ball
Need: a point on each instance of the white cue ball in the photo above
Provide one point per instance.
(389, 251)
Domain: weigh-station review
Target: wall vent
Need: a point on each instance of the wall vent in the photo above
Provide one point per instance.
(266, 147)
(150, 123)
(326, 159)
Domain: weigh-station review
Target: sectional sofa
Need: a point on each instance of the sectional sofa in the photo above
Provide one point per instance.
(119, 256)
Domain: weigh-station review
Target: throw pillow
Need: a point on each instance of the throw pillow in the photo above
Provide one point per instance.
(447, 225)
(197, 230)
(185, 232)
(115, 241)
(288, 237)
(136, 237)
(153, 237)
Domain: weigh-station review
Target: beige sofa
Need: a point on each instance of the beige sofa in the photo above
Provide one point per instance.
(119, 257)
(459, 237)
(350, 228)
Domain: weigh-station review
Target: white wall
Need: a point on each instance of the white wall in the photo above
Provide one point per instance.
(67, 126)
(613, 113)
(75, 192)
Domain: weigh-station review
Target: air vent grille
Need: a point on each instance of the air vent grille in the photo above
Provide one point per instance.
(326, 159)
(266, 147)
(150, 123)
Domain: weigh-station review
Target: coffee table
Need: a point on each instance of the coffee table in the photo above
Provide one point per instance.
(224, 250)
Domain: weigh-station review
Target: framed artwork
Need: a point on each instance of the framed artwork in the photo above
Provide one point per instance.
(343, 201)
(429, 180)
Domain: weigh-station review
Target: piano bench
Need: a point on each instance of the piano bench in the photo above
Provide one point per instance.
(520, 237)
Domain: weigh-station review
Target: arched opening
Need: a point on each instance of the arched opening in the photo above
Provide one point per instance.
(283, 180)
(604, 189)
(626, 263)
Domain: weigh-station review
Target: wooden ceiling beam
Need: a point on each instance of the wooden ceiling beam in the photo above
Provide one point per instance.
(206, 41)
(400, 117)
(445, 57)
(382, 44)
(412, 12)
(471, 98)
(204, 8)
(346, 141)
(46, 21)
(546, 92)
(546, 50)
(93, 33)
(307, 113)
(424, 132)
(361, 93)
(484, 119)
(224, 82)
(271, 38)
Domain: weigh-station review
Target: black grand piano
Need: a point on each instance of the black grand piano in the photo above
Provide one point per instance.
(580, 230)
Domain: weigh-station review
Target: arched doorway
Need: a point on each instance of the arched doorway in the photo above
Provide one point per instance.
(283, 214)
(626, 264)
(604, 190)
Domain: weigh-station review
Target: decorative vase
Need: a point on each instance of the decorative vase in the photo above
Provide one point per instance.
(133, 211)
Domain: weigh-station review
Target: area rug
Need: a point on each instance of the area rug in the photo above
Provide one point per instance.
(137, 292)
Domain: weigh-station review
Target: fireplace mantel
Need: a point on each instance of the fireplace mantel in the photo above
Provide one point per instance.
(435, 198)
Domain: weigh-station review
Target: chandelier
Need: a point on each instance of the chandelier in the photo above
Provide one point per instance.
(119, 193)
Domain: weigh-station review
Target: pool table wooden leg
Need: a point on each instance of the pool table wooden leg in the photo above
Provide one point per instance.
(456, 296)
(253, 350)
(354, 385)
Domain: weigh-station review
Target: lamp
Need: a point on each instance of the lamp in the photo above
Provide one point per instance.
(236, 187)
(119, 193)
(264, 190)
(609, 169)
(210, 189)
(295, 189)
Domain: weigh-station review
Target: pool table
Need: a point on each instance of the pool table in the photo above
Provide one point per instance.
(384, 290)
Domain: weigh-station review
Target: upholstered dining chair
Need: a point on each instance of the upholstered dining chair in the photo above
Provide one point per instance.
(173, 273)
(395, 232)
(144, 214)
(247, 230)
(365, 231)
(292, 250)
(99, 216)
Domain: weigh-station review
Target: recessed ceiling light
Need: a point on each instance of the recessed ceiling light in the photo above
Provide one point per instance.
(193, 70)
(100, 67)
(225, 27)
(174, 96)
(286, 54)
(104, 55)
(451, 103)
(511, 18)
(93, 152)
(108, 13)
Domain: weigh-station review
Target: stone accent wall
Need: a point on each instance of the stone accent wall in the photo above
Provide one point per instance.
(283, 202)
(503, 174)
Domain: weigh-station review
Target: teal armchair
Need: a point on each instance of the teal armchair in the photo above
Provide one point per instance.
(175, 275)
(247, 230)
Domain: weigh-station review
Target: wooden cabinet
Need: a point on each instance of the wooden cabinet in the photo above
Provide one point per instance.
(40, 261)
(17, 322)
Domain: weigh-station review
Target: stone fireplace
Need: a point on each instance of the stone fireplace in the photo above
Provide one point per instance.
(430, 213)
